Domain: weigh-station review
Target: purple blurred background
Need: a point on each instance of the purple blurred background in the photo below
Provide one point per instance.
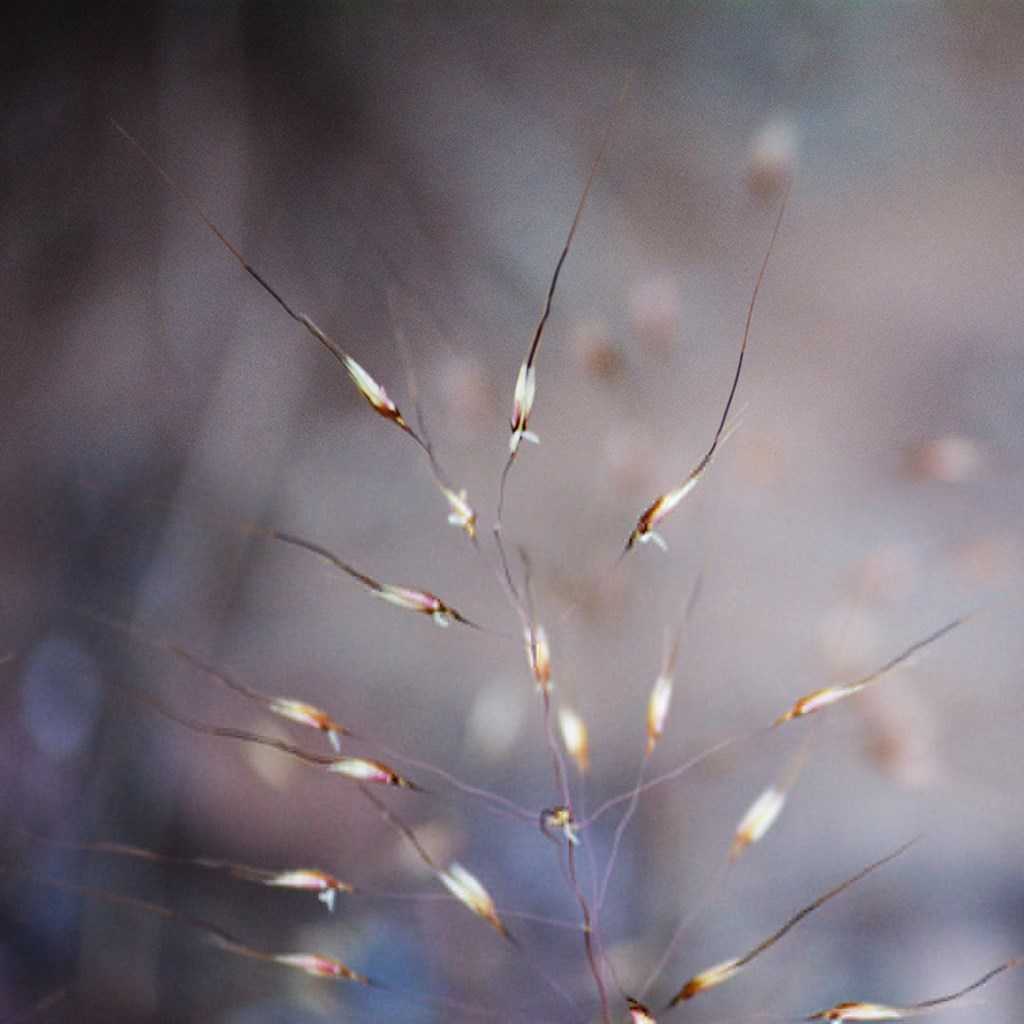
(412, 169)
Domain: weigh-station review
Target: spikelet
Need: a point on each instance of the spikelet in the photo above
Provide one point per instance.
(575, 738)
(816, 701)
(324, 885)
(373, 392)
(522, 406)
(538, 653)
(421, 601)
(657, 709)
(364, 770)
(644, 532)
(320, 966)
(707, 979)
(466, 888)
(661, 693)
(638, 1013)
(462, 514)
(760, 817)
(860, 1012)
(560, 819)
(307, 714)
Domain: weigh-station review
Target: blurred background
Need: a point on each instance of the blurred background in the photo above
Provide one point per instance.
(409, 171)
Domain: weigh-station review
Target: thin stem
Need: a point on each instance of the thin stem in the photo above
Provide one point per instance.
(588, 935)
(495, 802)
(617, 839)
(685, 921)
(396, 823)
(669, 776)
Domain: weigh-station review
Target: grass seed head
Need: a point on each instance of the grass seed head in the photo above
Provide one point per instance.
(815, 702)
(364, 770)
(760, 817)
(644, 532)
(575, 738)
(709, 978)
(538, 653)
(462, 514)
(373, 392)
(421, 601)
(657, 709)
(307, 714)
(320, 966)
(468, 889)
(851, 1012)
(560, 819)
(311, 880)
(522, 406)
